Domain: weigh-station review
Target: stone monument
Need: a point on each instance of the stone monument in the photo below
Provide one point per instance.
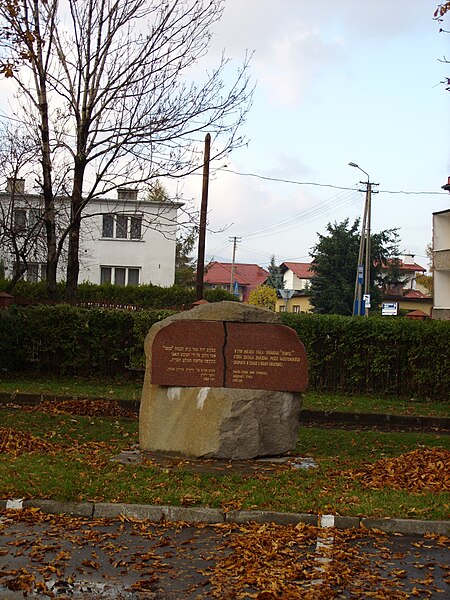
(223, 380)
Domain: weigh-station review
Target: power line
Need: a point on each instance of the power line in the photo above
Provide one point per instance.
(314, 183)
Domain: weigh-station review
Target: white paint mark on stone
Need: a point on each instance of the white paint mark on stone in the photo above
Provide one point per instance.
(201, 397)
(327, 520)
(323, 547)
(15, 504)
(173, 393)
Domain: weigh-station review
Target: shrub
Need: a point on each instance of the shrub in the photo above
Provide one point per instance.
(377, 355)
(146, 296)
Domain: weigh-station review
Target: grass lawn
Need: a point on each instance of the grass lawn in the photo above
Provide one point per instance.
(72, 456)
(121, 389)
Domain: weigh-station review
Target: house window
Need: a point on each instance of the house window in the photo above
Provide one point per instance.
(296, 308)
(122, 227)
(108, 226)
(133, 276)
(35, 218)
(36, 272)
(135, 228)
(282, 308)
(120, 275)
(20, 219)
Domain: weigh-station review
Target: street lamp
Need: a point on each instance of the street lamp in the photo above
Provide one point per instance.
(363, 274)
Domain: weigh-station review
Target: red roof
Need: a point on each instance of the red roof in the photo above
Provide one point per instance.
(417, 314)
(301, 270)
(415, 294)
(244, 273)
(411, 267)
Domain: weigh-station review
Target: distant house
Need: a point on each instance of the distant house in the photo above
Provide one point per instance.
(245, 277)
(124, 241)
(410, 300)
(296, 276)
(441, 263)
(408, 271)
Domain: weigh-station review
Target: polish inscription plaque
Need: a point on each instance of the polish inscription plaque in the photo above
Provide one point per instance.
(264, 356)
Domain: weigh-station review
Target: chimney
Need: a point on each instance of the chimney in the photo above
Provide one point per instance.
(15, 185)
(127, 194)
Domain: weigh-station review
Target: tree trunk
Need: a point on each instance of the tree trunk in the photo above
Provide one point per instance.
(73, 251)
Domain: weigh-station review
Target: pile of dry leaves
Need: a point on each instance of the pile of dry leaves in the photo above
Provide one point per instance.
(14, 441)
(425, 469)
(90, 408)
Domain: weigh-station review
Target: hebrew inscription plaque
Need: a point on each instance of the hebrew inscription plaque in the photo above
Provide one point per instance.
(189, 353)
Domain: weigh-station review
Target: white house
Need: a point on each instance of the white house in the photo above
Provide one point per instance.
(129, 241)
(296, 276)
(124, 241)
(441, 260)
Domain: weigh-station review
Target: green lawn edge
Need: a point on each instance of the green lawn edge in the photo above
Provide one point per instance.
(80, 469)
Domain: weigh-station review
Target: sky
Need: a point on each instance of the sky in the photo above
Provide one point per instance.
(337, 81)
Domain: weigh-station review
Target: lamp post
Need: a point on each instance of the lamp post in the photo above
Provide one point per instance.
(363, 269)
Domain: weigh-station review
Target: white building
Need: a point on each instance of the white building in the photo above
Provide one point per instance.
(441, 260)
(296, 276)
(124, 241)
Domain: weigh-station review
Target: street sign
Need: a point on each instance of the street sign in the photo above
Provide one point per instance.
(389, 308)
(286, 294)
(236, 289)
(360, 273)
(366, 298)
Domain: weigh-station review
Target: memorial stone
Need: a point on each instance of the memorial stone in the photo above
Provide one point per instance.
(222, 380)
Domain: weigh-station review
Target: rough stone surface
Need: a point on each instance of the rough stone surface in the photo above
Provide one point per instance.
(218, 422)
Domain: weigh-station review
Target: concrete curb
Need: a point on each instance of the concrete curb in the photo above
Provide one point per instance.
(193, 515)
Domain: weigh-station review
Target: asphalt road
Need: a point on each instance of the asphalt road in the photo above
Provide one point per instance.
(44, 556)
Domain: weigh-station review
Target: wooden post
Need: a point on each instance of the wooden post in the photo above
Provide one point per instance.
(202, 227)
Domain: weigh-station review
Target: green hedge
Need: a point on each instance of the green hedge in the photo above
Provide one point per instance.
(146, 296)
(68, 340)
(345, 354)
(379, 355)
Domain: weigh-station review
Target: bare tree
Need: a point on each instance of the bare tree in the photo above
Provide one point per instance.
(21, 218)
(110, 94)
(439, 14)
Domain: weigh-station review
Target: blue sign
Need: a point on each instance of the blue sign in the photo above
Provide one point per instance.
(360, 273)
(236, 289)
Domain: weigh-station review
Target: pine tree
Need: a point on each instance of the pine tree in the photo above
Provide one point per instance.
(275, 279)
(334, 260)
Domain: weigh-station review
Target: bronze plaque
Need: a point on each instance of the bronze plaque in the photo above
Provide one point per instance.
(265, 356)
(189, 353)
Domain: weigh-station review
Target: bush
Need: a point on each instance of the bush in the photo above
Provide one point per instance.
(146, 296)
(377, 355)
(68, 340)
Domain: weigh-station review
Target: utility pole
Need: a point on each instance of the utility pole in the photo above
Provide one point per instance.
(202, 225)
(361, 306)
(235, 241)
